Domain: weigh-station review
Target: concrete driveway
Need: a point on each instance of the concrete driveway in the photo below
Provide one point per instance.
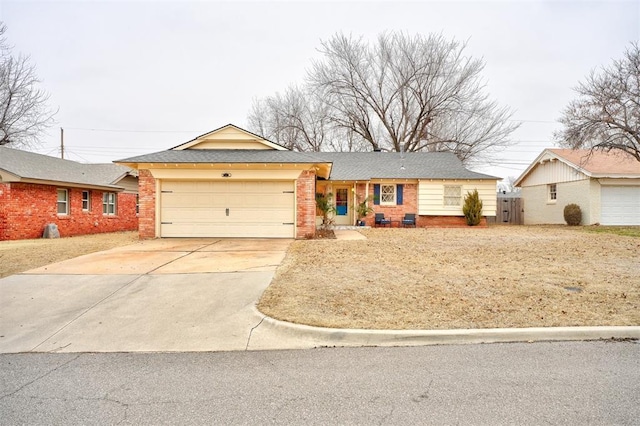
(155, 295)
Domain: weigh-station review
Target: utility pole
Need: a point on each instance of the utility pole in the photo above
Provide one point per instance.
(61, 143)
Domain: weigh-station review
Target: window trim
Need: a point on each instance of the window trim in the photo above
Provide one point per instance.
(552, 193)
(106, 203)
(65, 201)
(446, 197)
(86, 200)
(395, 194)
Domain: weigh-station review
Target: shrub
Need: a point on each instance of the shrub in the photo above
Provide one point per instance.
(572, 214)
(472, 208)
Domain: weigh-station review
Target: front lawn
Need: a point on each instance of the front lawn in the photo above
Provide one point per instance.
(460, 278)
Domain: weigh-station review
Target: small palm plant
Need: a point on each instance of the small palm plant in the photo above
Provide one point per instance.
(325, 205)
(363, 209)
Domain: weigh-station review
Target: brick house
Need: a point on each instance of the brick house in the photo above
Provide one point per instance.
(36, 190)
(232, 183)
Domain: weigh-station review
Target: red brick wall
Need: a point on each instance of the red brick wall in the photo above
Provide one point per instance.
(446, 222)
(147, 216)
(27, 208)
(306, 204)
(395, 213)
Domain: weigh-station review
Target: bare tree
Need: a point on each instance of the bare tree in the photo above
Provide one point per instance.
(508, 184)
(606, 114)
(411, 94)
(296, 119)
(24, 113)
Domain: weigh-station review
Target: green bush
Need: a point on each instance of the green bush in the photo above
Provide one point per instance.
(572, 214)
(472, 208)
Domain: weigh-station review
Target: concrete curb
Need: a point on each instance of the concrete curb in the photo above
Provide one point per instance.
(322, 336)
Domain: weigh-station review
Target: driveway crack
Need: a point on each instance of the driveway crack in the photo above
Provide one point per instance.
(42, 376)
(251, 332)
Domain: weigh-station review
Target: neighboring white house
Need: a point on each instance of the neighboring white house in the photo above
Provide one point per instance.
(606, 186)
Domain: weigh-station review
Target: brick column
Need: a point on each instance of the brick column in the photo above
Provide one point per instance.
(306, 204)
(147, 201)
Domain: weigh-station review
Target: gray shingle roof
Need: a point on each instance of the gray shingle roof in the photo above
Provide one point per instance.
(345, 165)
(28, 165)
(224, 156)
(394, 165)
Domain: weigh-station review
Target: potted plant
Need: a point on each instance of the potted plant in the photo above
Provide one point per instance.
(363, 209)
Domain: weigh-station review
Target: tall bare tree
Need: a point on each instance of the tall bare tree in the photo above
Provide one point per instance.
(24, 113)
(411, 93)
(606, 114)
(402, 93)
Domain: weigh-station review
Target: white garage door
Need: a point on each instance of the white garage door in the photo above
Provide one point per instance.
(620, 205)
(262, 209)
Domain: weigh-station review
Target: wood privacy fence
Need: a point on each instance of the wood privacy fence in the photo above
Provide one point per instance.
(510, 211)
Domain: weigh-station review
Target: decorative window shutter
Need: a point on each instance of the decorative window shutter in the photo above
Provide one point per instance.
(399, 190)
(376, 194)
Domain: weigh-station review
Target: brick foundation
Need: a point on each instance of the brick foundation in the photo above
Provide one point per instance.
(25, 209)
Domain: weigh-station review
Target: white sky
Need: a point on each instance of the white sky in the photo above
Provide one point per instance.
(136, 77)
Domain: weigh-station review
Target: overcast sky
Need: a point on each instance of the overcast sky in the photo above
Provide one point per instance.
(136, 77)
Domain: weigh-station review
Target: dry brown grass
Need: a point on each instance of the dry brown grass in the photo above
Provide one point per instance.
(22, 255)
(460, 278)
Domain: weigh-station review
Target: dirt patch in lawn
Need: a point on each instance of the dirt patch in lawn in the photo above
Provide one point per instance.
(460, 278)
(23, 255)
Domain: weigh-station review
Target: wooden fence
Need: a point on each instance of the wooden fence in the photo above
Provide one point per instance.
(510, 211)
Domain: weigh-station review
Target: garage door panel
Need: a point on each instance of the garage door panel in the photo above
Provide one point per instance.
(227, 209)
(620, 205)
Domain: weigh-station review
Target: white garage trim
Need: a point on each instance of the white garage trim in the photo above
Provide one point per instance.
(251, 209)
(620, 205)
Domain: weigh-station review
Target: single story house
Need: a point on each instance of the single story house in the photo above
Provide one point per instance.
(606, 186)
(232, 183)
(36, 190)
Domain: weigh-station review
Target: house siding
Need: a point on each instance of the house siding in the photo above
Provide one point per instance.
(538, 210)
(431, 197)
(27, 208)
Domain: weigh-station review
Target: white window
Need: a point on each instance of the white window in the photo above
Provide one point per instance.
(388, 195)
(452, 195)
(553, 193)
(86, 201)
(109, 203)
(63, 201)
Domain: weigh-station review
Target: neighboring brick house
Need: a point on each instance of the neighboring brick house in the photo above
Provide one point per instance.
(232, 183)
(36, 190)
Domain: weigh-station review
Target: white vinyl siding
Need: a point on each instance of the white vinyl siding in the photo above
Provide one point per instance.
(257, 209)
(431, 195)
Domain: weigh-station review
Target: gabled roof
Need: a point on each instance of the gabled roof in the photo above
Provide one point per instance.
(23, 166)
(600, 163)
(252, 136)
(594, 164)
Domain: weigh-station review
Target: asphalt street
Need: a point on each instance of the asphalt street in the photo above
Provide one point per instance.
(518, 383)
